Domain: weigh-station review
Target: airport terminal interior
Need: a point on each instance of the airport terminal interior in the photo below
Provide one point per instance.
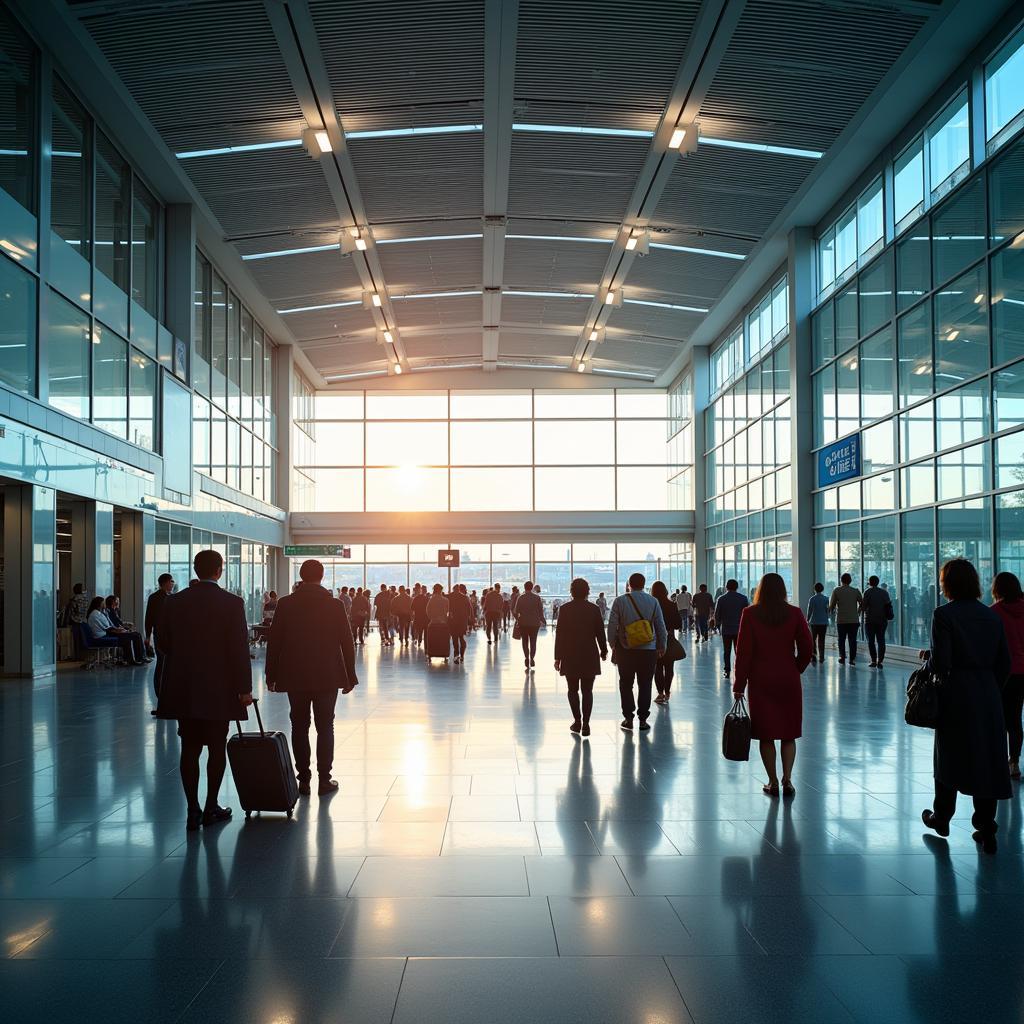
(470, 293)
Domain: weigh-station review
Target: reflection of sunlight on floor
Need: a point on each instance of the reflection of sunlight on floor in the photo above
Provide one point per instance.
(18, 942)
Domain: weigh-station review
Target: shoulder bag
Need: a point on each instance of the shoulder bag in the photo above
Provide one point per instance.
(736, 732)
(641, 631)
(924, 699)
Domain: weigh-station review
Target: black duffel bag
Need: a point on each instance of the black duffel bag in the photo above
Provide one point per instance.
(736, 732)
(924, 699)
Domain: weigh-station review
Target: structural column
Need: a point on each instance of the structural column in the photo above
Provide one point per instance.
(92, 546)
(701, 390)
(800, 268)
(29, 585)
(284, 372)
(133, 567)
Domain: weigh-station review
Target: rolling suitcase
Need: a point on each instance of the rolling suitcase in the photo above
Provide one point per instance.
(438, 641)
(261, 765)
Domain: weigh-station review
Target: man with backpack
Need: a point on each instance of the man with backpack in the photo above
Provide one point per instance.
(636, 632)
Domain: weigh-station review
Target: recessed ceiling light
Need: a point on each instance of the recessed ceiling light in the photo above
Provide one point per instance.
(582, 368)
(677, 138)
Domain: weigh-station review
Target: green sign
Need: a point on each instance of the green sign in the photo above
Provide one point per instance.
(317, 551)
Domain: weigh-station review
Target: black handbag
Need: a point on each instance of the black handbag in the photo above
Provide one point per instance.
(924, 699)
(736, 732)
(674, 650)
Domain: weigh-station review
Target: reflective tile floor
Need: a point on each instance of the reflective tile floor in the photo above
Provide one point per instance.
(480, 864)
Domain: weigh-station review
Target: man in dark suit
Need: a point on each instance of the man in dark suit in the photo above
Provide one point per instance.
(206, 681)
(311, 656)
(154, 609)
(529, 616)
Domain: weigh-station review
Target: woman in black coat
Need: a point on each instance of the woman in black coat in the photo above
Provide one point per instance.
(664, 668)
(971, 657)
(580, 647)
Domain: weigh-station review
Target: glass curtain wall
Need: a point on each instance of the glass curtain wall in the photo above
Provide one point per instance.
(747, 429)
(485, 451)
(680, 444)
(605, 566)
(921, 353)
(234, 429)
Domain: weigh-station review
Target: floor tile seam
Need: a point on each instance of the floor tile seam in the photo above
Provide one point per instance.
(398, 991)
(675, 985)
(202, 988)
(816, 900)
(625, 877)
(554, 932)
(355, 878)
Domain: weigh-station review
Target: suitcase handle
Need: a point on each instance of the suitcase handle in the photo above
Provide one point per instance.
(259, 721)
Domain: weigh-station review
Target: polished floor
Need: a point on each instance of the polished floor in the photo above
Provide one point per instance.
(480, 864)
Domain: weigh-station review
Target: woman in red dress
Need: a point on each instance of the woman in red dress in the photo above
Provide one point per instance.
(773, 649)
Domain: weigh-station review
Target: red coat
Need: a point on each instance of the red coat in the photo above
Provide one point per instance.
(770, 659)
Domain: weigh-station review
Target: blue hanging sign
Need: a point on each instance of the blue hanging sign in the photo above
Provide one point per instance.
(839, 461)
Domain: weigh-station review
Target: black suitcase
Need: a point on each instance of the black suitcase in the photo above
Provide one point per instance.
(261, 765)
(438, 641)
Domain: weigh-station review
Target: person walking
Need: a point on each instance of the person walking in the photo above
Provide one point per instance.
(580, 647)
(494, 608)
(207, 680)
(382, 611)
(877, 608)
(401, 608)
(846, 603)
(971, 657)
(817, 620)
(460, 611)
(437, 606)
(419, 613)
(665, 669)
(360, 615)
(1009, 603)
(311, 656)
(684, 602)
(772, 650)
(150, 625)
(703, 606)
(529, 616)
(728, 609)
(602, 606)
(636, 632)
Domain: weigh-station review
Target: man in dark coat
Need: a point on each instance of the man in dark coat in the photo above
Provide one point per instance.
(311, 656)
(207, 679)
(154, 609)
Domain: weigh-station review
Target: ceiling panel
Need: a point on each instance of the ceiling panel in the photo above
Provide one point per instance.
(326, 323)
(554, 266)
(429, 347)
(445, 311)
(430, 266)
(343, 356)
(683, 278)
(286, 279)
(544, 312)
(649, 320)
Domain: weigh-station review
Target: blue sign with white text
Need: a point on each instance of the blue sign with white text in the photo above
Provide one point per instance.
(839, 461)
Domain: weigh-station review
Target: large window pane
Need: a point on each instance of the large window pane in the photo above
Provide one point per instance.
(70, 171)
(113, 213)
(201, 433)
(961, 329)
(641, 442)
(18, 102)
(17, 327)
(338, 490)
(1010, 460)
(642, 487)
(145, 251)
(404, 444)
(573, 404)
(915, 354)
(641, 404)
(846, 317)
(870, 223)
(407, 489)
(574, 489)
(958, 230)
(913, 266)
(201, 326)
(488, 405)
(142, 402)
(917, 483)
(876, 376)
(909, 182)
(485, 490)
(876, 294)
(234, 357)
(590, 442)
(110, 381)
(1009, 397)
(68, 352)
(949, 144)
(1004, 86)
(383, 405)
(495, 443)
(823, 329)
(1005, 194)
(246, 366)
(965, 471)
(1008, 304)
(917, 577)
(339, 444)
(219, 340)
(963, 415)
(847, 393)
(965, 531)
(917, 432)
(1010, 532)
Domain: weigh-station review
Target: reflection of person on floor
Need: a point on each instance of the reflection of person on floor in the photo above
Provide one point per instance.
(578, 802)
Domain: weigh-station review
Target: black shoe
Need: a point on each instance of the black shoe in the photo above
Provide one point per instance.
(644, 725)
(930, 821)
(627, 724)
(193, 821)
(527, 662)
(532, 663)
(216, 816)
(304, 787)
(327, 787)
(576, 727)
(585, 731)
(853, 661)
(842, 661)
(873, 664)
(153, 712)
(987, 840)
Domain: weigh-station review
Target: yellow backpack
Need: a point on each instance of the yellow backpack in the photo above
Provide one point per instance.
(640, 632)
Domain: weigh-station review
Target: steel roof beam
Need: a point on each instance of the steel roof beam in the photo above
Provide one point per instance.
(501, 21)
(708, 43)
(297, 39)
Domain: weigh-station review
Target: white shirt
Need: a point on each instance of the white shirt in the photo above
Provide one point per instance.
(684, 601)
(99, 624)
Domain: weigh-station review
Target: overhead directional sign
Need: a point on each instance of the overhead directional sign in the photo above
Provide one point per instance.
(448, 559)
(839, 461)
(317, 551)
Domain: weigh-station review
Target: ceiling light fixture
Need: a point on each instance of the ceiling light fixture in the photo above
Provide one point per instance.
(678, 134)
(610, 296)
(582, 368)
(398, 369)
(316, 142)
(593, 335)
(389, 337)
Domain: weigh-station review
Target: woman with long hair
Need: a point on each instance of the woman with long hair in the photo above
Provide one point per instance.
(580, 647)
(1009, 604)
(971, 657)
(773, 648)
(664, 668)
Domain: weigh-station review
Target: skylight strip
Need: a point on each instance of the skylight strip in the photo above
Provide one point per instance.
(561, 238)
(291, 252)
(624, 373)
(435, 295)
(762, 147)
(356, 375)
(447, 366)
(428, 238)
(570, 129)
(699, 252)
(530, 366)
(326, 305)
(549, 295)
(251, 147)
(665, 305)
(394, 133)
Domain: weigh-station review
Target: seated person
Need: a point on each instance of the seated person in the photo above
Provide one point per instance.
(112, 606)
(99, 625)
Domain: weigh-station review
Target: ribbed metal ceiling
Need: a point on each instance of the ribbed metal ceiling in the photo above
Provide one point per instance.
(210, 73)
